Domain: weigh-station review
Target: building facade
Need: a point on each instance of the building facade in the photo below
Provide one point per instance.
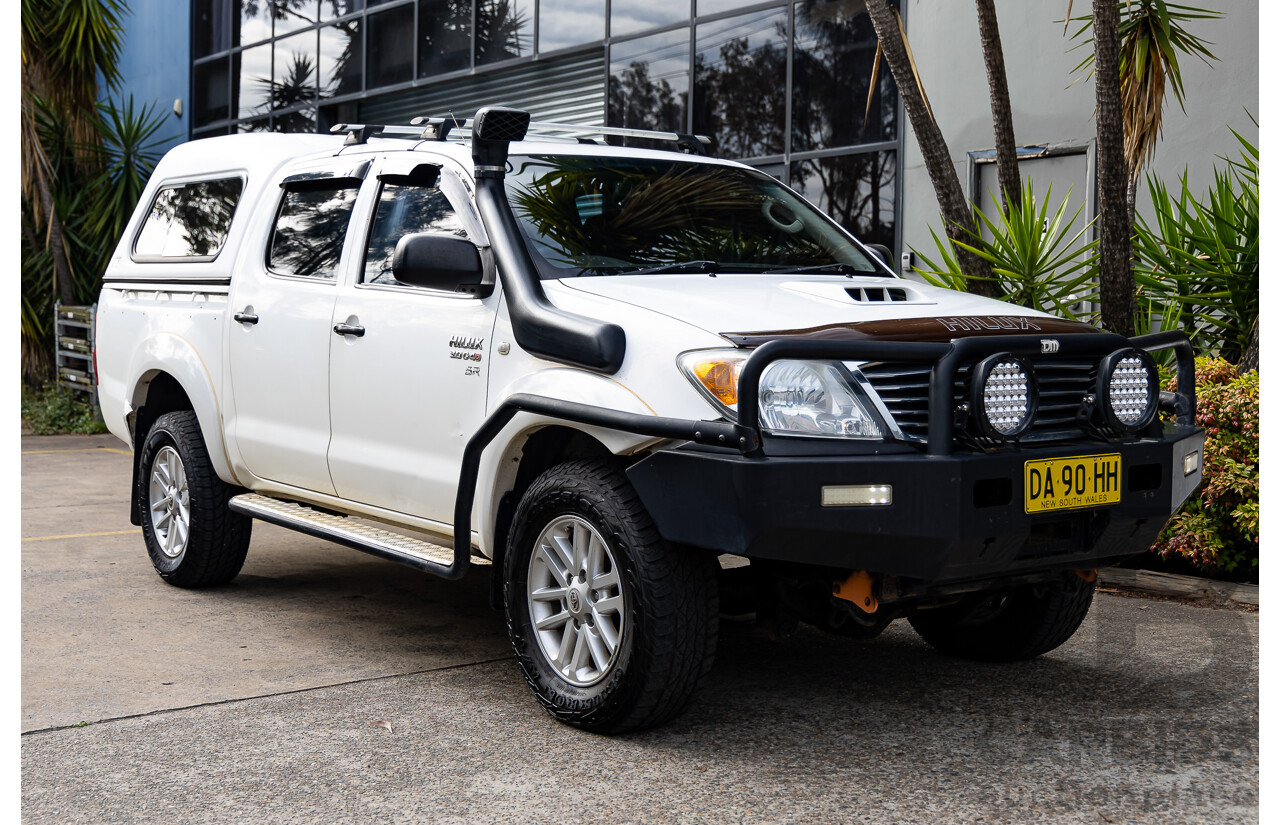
(783, 85)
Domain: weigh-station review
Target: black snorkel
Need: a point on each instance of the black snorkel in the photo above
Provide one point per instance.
(540, 327)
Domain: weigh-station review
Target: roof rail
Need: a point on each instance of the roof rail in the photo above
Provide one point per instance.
(438, 128)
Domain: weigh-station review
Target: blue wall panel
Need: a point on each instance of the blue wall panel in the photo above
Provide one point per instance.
(155, 64)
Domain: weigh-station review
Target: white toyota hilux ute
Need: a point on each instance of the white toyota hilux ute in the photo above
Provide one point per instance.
(600, 370)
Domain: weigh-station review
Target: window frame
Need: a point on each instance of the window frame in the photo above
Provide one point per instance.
(183, 182)
(467, 217)
(320, 176)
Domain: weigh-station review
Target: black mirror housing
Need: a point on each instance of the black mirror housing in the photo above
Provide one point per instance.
(883, 253)
(438, 261)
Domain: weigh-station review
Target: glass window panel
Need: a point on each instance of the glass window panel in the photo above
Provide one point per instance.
(189, 220)
(709, 7)
(341, 59)
(564, 23)
(303, 120)
(310, 229)
(211, 86)
(627, 16)
(330, 9)
(778, 171)
(251, 81)
(295, 71)
(444, 36)
(834, 54)
(250, 21)
(740, 79)
(390, 47)
(210, 29)
(291, 15)
(504, 30)
(404, 210)
(649, 82)
(857, 190)
(262, 124)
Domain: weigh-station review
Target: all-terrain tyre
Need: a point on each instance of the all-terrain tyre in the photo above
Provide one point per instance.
(1010, 626)
(613, 628)
(192, 537)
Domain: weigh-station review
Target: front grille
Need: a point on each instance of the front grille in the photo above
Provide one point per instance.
(904, 389)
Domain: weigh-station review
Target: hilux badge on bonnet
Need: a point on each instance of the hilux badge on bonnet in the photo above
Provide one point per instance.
(1048, 345)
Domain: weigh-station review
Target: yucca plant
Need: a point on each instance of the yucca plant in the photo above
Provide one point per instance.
(1152, 35)
(1038, 260)
(1197, 260)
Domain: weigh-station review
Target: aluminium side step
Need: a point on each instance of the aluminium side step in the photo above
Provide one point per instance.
(416, 553)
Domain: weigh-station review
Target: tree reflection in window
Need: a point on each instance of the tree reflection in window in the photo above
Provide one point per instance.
(404, 210)
(611, 217)
(833, 59)
(310, 229)
(504, 30)
(857, 190)
(189, 221)
(740, 84)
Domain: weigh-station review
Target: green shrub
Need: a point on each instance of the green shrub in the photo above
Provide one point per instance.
(1036, 258)
(56, 408)
(1216, 531)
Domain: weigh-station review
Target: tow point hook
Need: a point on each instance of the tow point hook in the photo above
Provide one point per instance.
(857, 588)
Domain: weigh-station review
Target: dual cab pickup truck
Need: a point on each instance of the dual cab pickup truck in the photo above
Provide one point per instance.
(598, 369)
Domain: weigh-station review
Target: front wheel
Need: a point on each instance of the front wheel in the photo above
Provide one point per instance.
(192, 537)
(1011, 625)
(613, 628)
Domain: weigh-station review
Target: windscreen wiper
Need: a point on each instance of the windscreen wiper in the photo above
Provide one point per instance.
(705, 267)
(840, 267)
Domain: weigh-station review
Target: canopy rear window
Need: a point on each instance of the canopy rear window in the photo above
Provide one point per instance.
(188, 221)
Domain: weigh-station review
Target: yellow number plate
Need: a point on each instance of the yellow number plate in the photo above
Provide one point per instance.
(1072, 482)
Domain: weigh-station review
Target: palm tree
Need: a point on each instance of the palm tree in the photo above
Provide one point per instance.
(1115, 264)
(957, 216)
(1001, 110)
(84, 162)
(65, 47)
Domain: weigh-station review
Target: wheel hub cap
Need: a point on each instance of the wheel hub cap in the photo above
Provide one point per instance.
(169, 503)
(576, 601)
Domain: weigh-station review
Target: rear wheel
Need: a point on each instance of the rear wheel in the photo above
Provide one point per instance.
(1011, 625)
(613, 628)
(192, 537)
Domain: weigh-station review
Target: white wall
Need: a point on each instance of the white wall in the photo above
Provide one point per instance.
(1049, 108)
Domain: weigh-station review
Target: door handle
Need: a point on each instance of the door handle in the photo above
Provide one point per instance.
(245, 318)
(349, 329)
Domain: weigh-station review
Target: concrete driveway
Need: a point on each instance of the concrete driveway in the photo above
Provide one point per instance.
(256, 702)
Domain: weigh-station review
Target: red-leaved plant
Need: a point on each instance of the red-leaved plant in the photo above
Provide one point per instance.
(1217, 529)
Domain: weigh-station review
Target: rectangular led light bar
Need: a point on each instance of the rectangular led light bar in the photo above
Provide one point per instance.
(858, 495)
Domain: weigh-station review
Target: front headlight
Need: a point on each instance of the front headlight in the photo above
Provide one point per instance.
(796, 397)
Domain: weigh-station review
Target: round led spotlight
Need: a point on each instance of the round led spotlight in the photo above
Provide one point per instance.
(1004, 396)
(1128, 390)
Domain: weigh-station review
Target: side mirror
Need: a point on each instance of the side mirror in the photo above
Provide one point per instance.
(438, 261)
(883, 252)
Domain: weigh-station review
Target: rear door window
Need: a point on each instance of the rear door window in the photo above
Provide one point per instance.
(311, 227)
(188, 221)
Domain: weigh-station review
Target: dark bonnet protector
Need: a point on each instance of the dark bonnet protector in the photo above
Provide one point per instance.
(935, 329)
(540, 327)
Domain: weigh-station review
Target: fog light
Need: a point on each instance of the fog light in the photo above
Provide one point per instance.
(1003, 396)
(860, 495)
(1128, 389)
(1190, 463)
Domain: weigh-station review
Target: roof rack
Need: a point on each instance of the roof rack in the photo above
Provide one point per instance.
(438, 128)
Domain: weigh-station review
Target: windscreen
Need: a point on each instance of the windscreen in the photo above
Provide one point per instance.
(588, 215)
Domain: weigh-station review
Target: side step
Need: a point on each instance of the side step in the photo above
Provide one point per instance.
(415, 553)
